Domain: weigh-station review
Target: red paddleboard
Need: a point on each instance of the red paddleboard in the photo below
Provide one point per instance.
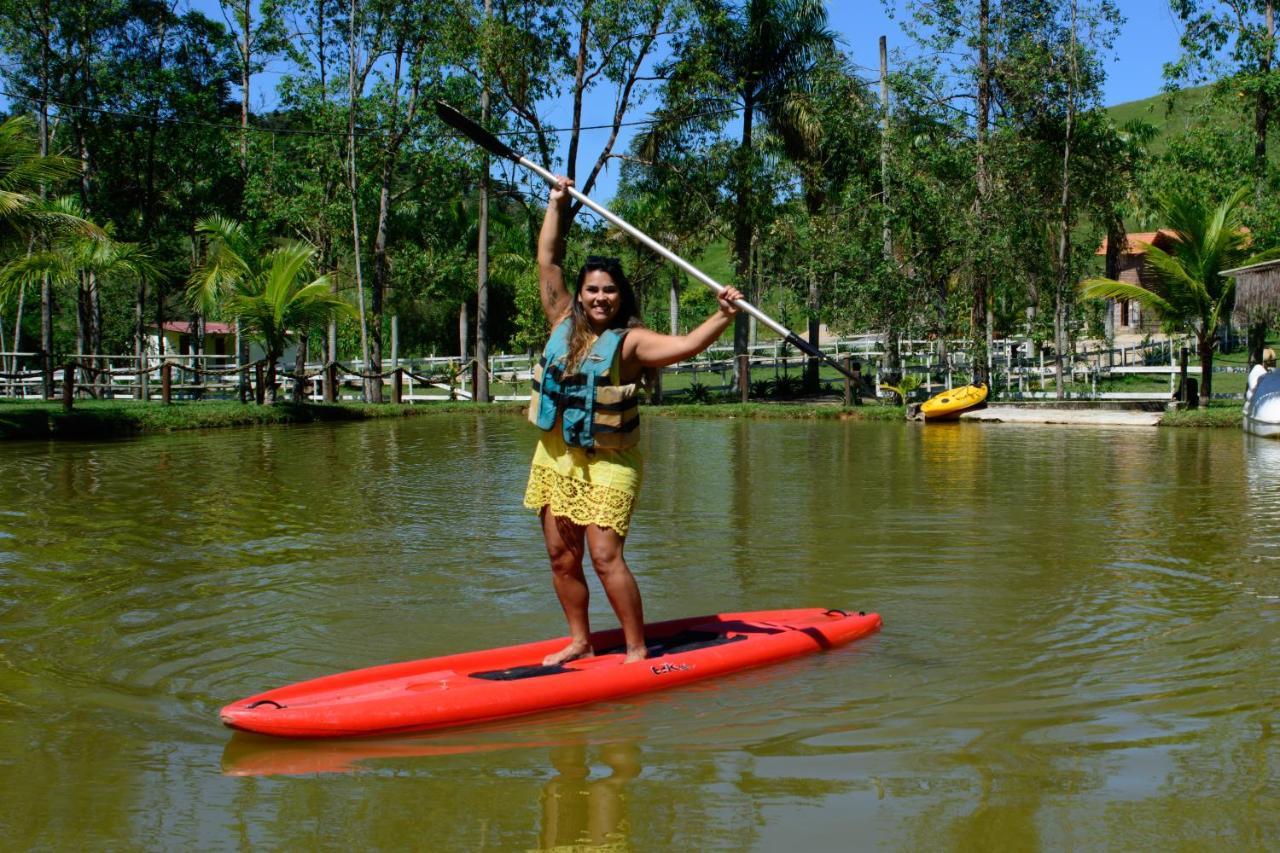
(477, 686)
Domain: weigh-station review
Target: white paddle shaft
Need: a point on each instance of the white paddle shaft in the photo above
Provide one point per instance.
(659, 248)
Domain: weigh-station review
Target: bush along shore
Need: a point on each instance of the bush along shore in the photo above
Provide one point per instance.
(91, 419)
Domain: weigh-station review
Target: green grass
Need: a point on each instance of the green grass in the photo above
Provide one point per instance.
(94, 419)
(778, 411)
(108, 418)
(1219, 415)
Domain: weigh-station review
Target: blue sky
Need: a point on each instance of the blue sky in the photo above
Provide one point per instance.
(1149, 39)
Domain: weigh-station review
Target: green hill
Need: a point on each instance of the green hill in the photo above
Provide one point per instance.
(1169, 113)
(1161, 109)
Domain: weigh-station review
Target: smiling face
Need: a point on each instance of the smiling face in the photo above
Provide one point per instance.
(600, 298)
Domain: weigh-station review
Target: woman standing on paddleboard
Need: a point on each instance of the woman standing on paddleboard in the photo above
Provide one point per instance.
(586, 468)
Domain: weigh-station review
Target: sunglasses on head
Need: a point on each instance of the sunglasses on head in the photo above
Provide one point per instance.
(603, 262)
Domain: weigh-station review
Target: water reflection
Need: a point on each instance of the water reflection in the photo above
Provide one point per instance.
(258, 755)
(584, 802)
(578, 810)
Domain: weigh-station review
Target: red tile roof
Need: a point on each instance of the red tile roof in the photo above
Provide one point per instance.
(1136, 243)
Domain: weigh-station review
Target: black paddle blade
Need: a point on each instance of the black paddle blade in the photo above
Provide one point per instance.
(474, 132)
(809, 349)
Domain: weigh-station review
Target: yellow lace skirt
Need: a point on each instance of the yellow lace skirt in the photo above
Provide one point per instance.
(598, 488)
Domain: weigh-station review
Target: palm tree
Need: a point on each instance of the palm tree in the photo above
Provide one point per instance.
(25, 217)
(761, 55)
(231, 255)
(1187, 289)
(274, 295)
(71, 257)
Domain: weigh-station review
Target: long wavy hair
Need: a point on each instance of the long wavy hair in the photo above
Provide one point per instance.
(581, 335)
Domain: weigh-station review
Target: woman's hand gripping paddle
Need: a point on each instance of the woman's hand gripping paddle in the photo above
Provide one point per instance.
(497, 147)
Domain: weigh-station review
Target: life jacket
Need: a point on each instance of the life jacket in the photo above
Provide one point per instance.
(595, 409)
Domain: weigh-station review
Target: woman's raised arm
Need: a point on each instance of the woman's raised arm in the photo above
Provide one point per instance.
(555, 296)
(648, 348)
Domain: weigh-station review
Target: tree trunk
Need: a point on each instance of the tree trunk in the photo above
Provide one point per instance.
(17, 330)
(270, 390)
(95, 333)
(300, 369)
(46, 335)
(811, 365)
(1061, 299)
(46, 288)
(464, 332)
(148, 228)
(482, 255)
(353, 186)
(140, 340)
(1256, 341)
(1262, 108)
(981, 279)
(673, 302)
(245, 13)
(742, 231)
(381, 278)
(1205, 341)
(89, 334)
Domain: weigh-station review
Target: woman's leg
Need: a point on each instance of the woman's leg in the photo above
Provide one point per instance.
(620, 585)
(564, 547)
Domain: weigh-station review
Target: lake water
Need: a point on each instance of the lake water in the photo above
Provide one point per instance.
(1081, 643)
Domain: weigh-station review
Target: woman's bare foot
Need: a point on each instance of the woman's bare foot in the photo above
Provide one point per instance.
(634, 655)
(573, 651)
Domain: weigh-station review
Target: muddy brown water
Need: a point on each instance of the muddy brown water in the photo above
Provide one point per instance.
(1081, 645)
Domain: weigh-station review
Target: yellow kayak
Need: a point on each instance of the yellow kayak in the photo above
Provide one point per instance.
(950, 404)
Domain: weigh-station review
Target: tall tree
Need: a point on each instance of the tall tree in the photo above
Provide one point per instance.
(1233, 43)
(26, 220)
(755, 57)
(1235, 38)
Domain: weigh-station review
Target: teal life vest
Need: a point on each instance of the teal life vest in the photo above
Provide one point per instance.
(595, 409)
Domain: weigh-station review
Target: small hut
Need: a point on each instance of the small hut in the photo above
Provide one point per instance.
(219, 338)
(1257, 302)
(1257, 292)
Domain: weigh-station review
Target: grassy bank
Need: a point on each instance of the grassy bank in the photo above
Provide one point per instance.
(779, 411)
(108, 418)
(1214, 417)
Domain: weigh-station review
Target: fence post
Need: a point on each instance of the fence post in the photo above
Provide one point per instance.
(68, 386)
(657, 387)
(397, 386)
(331, 382)
(1184, 390)
(744, 376)
(166, 383)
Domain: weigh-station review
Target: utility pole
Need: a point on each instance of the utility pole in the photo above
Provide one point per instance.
(892, 354)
